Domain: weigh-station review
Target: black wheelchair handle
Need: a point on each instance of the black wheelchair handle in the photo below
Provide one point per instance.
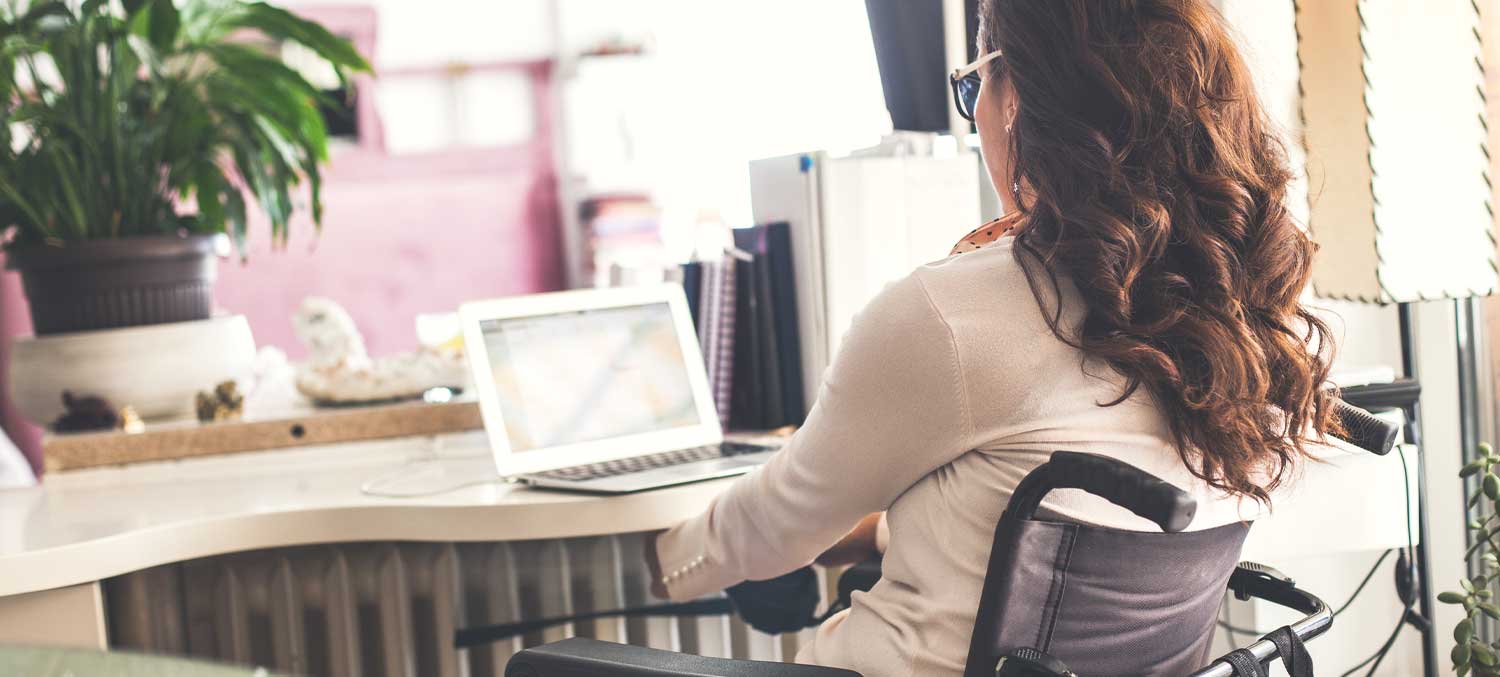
(1118, 482)
(1364, 430)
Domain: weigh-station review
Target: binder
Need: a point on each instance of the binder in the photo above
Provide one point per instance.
(771, 245)
(692, 281)
(711, 290)
(747, 406)
(724, 360)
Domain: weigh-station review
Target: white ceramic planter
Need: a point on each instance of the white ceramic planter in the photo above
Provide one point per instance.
(156, 369)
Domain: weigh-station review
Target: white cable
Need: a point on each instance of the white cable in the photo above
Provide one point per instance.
(372, 487)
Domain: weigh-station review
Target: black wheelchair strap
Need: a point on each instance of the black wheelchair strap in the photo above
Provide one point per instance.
(1244, 664)
(1294, 656)
(1289, 646)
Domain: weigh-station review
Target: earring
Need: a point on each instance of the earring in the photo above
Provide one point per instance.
(1015, 188)
(1007, 128)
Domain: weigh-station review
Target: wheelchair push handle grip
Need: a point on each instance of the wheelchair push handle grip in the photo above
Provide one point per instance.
(1364, 430)
(1124, 485)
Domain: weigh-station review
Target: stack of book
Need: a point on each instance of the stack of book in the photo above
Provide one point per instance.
(710, 287)
(622, 241)
(744, 306)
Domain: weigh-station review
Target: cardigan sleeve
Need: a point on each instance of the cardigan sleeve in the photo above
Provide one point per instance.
(892, 408)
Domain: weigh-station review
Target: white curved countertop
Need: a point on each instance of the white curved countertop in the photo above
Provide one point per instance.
(87, 525)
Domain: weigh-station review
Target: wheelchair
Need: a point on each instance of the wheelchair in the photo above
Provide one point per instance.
(1062, 599)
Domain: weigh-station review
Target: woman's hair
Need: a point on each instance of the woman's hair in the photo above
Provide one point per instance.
(1157, 184)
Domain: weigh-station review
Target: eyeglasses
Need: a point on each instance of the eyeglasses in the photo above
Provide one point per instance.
(966, 83)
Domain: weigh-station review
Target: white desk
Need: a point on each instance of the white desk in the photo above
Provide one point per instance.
(57, 541)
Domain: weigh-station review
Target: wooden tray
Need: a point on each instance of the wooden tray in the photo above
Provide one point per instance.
(294, 428)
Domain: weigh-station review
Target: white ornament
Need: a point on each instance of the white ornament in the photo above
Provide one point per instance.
(339, 370)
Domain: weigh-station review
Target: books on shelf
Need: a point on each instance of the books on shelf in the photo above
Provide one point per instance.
(772, 312)
(622, 242)
(744, 308)
(775, 298)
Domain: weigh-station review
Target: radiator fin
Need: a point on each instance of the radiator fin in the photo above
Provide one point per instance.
(390, 609)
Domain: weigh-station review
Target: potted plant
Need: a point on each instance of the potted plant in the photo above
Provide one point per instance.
(130, 131)
(1471, 654)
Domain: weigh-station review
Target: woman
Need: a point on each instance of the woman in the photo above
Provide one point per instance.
(1144, 306)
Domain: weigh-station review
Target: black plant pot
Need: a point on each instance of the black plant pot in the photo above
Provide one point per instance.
(125, 282)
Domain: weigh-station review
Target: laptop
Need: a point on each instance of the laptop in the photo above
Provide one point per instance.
(600, 390)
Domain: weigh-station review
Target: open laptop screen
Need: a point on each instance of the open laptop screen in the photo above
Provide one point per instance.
(589, 375)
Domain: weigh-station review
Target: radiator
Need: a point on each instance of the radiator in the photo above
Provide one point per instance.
(390, 609)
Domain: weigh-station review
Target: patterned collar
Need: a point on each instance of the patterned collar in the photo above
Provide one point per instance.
(987, 233)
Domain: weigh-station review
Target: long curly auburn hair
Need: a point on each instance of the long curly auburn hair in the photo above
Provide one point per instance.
(1154, 180)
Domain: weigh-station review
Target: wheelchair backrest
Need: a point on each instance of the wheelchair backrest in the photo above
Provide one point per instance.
(1110, 602)
(1104, 601)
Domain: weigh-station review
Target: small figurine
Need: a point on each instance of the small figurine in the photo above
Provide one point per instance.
(223, 404)
(85, 413)
(130, 422)
(341, 371)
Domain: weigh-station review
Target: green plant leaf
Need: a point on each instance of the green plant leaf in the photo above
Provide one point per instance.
(280, 24)
(234, 211)
(1463, 632)
(1483, 655)
(154, 104)
(1489, 609)
(1472, 467)
(211, 186)
(158, 21)
(1450, 597)
(163, 24)
(1461, 653)
(1485, 449)
(38, 13)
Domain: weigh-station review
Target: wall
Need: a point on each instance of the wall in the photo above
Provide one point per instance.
(1367, 335)
(450, 194)
(395, 247)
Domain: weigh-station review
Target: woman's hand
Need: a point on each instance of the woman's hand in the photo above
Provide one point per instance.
(653, 566)
(856, 546)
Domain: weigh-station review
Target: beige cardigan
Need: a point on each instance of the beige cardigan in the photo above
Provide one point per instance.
(947, 390)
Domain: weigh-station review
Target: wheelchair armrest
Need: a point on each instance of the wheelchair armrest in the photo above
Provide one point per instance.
(579, 657)
(1262, 582)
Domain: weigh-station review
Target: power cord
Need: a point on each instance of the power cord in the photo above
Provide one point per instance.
(1408, 600)
(435, 470)
(1378, 656)
(1228, 622)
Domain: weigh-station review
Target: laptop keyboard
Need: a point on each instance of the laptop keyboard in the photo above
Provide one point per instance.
(622, 466)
